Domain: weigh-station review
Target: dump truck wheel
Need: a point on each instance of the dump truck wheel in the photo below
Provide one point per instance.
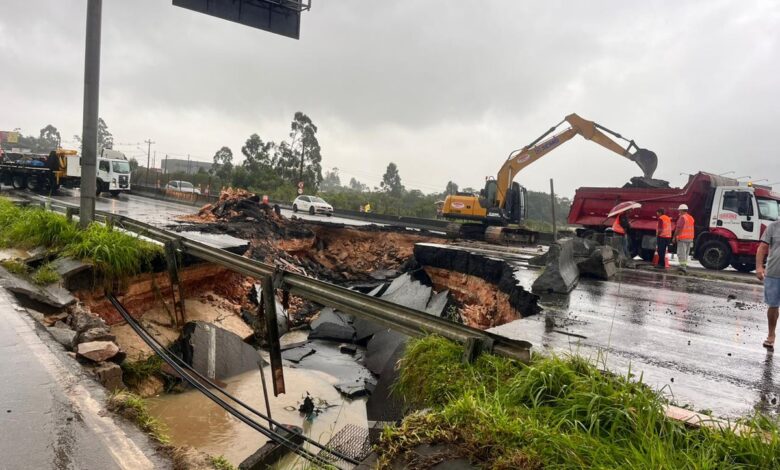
(715, 254)
(744, 267)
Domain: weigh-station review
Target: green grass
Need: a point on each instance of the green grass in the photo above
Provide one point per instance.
(115, 254)
(136, 372)
(45, 275)
(15, 267)
(221, 463)
(133, 407)
(557, 412)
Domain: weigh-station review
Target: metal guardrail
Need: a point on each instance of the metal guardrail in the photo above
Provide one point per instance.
(399, 318)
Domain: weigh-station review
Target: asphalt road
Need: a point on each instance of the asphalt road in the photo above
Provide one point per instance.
(51, 415)
(696, 340)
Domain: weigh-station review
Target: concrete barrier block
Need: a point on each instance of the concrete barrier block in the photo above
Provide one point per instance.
(560, 274)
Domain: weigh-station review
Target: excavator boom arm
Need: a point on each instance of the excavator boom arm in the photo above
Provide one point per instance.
(645, 159)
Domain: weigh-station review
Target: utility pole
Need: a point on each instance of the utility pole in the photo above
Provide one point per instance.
(149, 143)
(188, 164)
(166, 169)
(90, 115)
(154, 165)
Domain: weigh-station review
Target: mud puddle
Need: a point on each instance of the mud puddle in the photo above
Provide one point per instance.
(195, 420)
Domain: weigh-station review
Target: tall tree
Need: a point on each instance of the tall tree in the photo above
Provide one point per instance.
(105, 138)
(306, 150)
(331, 181)
(257, 154)
(391, 181)
(48, 140)
(222, 167)
(356, 185)
(452, 188)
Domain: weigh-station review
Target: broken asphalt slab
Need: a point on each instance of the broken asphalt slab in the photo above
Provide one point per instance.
(53, 294)
(297, 354)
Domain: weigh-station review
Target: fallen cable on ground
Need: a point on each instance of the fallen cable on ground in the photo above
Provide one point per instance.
(176, 363)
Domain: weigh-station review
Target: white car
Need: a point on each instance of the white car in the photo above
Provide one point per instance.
(182, 186)
(312, 204)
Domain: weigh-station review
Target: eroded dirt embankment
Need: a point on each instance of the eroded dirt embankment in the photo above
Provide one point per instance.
(486, 289)
(146, 291)
(333, 252)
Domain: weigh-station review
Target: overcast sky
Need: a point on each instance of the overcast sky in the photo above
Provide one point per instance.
(446, 89)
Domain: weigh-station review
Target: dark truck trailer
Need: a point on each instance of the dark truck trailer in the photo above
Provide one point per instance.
(41, 173)
(730, 217)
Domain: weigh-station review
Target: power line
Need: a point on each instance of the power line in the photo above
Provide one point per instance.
(183, 369)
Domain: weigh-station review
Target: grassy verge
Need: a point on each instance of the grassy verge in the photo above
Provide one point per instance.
(133, 407)
(115, 254)
(136, 372)
(557, 412)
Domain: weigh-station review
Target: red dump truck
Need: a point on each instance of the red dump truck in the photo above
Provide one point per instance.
(730, 217)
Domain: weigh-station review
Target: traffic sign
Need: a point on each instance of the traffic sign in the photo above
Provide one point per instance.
(300, 190)
(277, 16)
(300, 184)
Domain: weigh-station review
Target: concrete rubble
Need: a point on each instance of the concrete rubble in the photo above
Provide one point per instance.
(64, 336)
(97, 351)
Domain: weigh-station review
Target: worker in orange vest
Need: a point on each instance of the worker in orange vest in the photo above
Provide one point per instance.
(683, 236)
(622, 227)
(663, 236)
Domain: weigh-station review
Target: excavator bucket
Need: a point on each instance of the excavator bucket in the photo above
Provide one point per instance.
(647, 161)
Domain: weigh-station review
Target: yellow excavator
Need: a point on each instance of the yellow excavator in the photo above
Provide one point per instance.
(498, 212)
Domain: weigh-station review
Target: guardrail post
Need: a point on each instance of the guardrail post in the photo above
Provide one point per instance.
(176, 288)
(272, 331)
(70, 212)
(474, 347)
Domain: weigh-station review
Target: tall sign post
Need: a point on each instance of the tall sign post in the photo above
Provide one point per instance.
(90, 116)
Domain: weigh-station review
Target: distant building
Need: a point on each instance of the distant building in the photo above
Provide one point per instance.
(177, 165)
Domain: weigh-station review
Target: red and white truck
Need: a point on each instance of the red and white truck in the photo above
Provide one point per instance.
(730, 217)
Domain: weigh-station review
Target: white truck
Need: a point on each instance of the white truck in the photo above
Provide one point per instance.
(61, 167)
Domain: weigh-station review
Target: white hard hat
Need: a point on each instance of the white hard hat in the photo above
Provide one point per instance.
(683, 207)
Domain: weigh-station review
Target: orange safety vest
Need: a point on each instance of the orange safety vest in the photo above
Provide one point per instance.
(617, 228)
(666, 227)
(687, 232)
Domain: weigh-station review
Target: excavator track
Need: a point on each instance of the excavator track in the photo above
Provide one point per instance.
(495, 235)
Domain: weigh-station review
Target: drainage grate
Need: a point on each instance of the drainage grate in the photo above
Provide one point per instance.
(351, 441)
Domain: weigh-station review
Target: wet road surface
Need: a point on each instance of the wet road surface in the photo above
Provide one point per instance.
(51, 415)
(685, 336)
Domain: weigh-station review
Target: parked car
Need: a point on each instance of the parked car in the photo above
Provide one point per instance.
(312, 204)
(182, 186)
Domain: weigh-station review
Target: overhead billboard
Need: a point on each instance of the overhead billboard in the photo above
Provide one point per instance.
(276, 16)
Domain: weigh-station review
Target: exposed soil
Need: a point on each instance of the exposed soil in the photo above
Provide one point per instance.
(333, 252)
(146, 291)
(481, 304)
